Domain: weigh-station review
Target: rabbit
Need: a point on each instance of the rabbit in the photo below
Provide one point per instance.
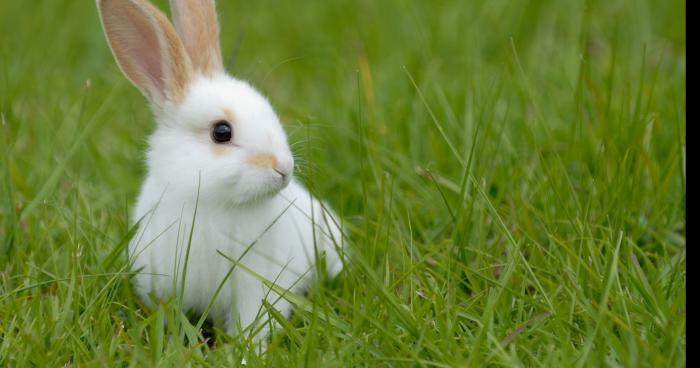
(219, 190)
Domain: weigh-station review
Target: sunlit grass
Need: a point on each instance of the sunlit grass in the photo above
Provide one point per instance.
(511, 175)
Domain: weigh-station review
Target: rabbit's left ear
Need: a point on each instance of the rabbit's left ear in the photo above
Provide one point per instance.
(196, 23)
(147, 49)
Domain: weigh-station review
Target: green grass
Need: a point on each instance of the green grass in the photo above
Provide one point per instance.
(511, 175)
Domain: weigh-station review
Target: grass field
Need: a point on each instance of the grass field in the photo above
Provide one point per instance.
(511, 175)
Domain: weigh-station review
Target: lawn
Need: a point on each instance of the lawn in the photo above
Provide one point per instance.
(511, 176)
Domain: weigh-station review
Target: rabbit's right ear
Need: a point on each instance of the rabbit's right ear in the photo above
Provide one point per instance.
(198, 27)
(147, 49)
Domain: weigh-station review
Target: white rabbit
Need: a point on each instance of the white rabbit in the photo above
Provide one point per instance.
(219, 150)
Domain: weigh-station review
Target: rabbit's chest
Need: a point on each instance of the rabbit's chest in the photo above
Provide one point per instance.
(204, 254)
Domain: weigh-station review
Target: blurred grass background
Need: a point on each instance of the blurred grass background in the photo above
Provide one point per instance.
(512, 174)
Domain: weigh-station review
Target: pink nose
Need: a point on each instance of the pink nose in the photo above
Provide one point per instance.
(283, 167)
(263, 160)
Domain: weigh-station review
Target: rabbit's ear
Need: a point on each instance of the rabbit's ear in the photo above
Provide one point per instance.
(197, 24)
(147, 49)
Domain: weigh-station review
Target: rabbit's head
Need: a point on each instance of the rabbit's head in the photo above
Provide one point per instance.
(216, 135)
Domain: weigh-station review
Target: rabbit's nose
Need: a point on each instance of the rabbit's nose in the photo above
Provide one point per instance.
(264, 161)
(283, 173)
(284, 167)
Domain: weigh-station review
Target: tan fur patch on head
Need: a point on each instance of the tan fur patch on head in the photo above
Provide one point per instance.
(219, 150)
(263, 161)
(230, 116)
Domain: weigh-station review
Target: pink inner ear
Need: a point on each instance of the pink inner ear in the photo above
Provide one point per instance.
(198, 27)
(136, 46)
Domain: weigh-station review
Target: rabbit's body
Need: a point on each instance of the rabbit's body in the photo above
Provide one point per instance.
(279, 235)
(220, 149)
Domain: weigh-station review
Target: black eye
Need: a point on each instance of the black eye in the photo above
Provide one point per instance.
(221, 132)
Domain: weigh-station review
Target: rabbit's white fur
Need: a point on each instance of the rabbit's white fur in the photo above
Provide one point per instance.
(236, 205)
(242, 192)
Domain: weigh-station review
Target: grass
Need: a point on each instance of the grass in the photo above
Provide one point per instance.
(511, 175)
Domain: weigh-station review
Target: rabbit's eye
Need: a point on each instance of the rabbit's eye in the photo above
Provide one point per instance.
(221, 132)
